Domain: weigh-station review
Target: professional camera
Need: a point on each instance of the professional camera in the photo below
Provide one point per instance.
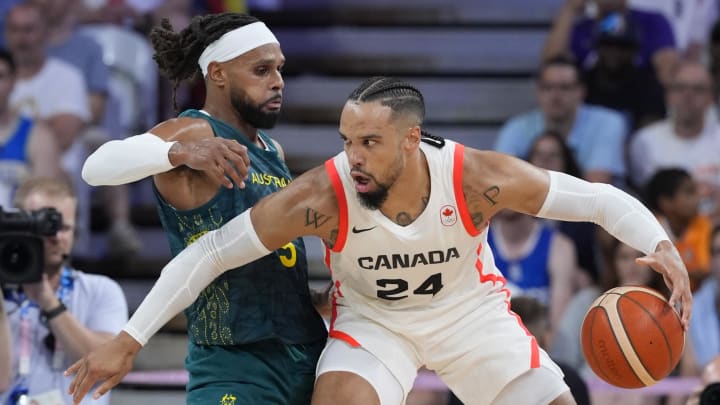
(22, 253)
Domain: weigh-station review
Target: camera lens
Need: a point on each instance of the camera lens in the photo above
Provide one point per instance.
(15, 257)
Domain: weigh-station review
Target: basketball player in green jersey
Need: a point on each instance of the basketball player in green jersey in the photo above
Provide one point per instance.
(255, 336)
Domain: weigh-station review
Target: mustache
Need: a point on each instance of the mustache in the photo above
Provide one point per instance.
(277, 97)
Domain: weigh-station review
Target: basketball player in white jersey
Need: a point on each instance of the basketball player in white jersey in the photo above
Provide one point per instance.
(404, 218)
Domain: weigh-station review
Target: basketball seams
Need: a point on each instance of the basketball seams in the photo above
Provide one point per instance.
(657, 324)
(623, 340)
(591, 321)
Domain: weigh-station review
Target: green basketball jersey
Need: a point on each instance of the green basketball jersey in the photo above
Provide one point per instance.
(268, 298)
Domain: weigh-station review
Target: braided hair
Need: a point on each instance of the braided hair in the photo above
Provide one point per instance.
(177, 53)
(402, 97)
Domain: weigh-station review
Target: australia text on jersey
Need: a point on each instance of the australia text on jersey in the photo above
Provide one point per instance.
(267, 179)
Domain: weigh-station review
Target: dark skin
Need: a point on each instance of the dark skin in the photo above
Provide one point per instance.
(382, 148)
(217, 162)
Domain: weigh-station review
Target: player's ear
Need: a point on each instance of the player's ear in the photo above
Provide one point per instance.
(216, 74)
(413, 136)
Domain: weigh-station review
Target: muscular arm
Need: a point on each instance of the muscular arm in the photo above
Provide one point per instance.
(305, 207)
(186, 142)
(519, 186)
(557, 41)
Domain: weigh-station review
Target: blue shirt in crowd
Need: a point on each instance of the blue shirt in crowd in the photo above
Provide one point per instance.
(596, 139)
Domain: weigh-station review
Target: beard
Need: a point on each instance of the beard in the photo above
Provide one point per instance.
(252, 113)
(373, 200)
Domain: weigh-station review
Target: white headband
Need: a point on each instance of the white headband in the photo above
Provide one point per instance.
(235, 43)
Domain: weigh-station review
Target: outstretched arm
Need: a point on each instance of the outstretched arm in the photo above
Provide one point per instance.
(270, 224)
(177, 142)
(558, 38)
(519, 186)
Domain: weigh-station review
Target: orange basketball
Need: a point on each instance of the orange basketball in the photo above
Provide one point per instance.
(631, 337)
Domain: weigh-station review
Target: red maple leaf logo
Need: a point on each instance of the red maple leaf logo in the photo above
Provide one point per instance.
(447, 212)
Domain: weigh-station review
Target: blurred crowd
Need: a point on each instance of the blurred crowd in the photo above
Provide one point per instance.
(627, 94)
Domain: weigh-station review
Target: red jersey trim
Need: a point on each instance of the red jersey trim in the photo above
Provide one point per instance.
(494, 278)
(342, 205)
(336, 334)
(458, 190)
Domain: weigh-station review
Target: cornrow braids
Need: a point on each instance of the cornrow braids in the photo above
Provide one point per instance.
(177, 53)
(400, 96)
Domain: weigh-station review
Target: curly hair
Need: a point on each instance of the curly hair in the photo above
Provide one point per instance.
(177, 53)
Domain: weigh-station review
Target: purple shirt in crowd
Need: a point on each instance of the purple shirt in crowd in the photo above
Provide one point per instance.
(654, 31)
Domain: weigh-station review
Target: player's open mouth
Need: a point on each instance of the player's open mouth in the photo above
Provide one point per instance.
(362, 183)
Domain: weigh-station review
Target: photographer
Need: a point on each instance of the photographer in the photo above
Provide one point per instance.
(55, 321)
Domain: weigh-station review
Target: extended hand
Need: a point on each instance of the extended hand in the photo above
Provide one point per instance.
(666, 261)
(109, 363)
(222, 159)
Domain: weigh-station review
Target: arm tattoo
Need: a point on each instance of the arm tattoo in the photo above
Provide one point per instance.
(403, 218)
(478, 219)
(491, 193)
(333, 238)
(314, 218)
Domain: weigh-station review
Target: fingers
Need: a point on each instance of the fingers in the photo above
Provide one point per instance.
(73, 368)
(107, 386)
(229, 169)
(687, 305)
(236, 162)
(77, 369)
(78, 385)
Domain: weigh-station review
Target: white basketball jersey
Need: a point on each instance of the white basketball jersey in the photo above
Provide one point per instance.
(388, 271)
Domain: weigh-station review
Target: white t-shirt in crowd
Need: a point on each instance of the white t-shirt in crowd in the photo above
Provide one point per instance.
(97, 302)
(657, 147)
(691, 19)
(58, 88)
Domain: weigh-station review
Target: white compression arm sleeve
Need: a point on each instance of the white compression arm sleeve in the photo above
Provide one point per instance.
(182, 280)
(128, 160)
(624, 217)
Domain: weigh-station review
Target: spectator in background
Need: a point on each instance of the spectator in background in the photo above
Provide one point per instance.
(47, 88)
(55, 92)
(60, 318)
(83, 52)
(5, 7)
(691, 21)
(536, 260)
(550, 152)
(615, 81)
(672, 194)
(689, 138)
(27, 147)
(573, 28)
(704, 334)
(596, 135)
